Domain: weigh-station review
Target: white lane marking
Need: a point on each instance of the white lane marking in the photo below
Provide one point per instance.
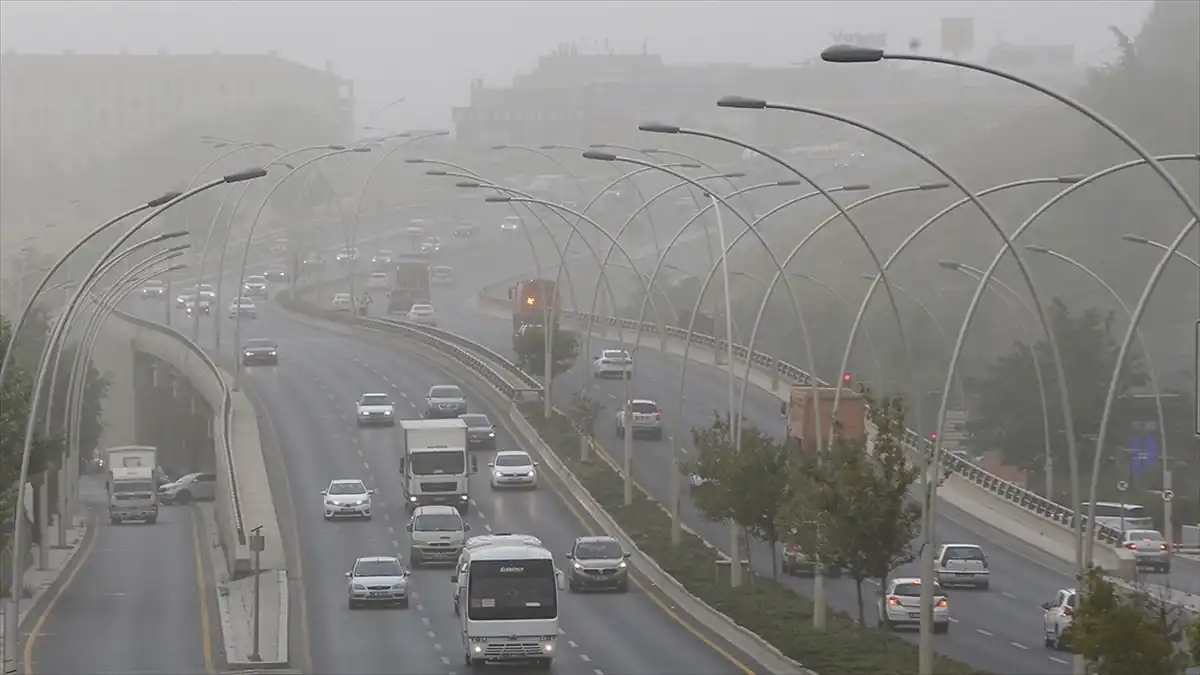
(952, 619)
(391, 529)
(387, 516)
(597, 671)
(367, 465)
(1058, 660)
(1020, 646)
(1008, 595)
(445, 661)
(984, 632)
(572, 644)
(395, 544)
(430, 634)
(586, 658)
(487, 527)
(425, 620)
(472, 502)
(420, 608)
(360, 454)
(437, 646)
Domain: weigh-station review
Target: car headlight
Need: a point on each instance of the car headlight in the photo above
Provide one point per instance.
(491, 434)
(622, 565)
(362, 412)
(496, 474)
(387, 412)
(271, 353)
(249, 353)
(577, 566)
(330, 503)
(400, 586)
(548, 647)
(359, 587)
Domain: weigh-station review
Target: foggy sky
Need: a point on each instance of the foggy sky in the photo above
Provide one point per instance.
(429, 51)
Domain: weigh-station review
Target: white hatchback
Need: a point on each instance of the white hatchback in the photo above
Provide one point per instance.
(379, 280)
(900, 605)
(1058, 615)
(343, 302)
(962, 565)
(422, 314)
(513, 469)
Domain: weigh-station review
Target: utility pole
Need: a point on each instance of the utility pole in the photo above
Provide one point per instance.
(257, 544)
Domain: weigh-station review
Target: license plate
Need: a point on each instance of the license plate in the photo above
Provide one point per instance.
(914, 615)
(376, 594)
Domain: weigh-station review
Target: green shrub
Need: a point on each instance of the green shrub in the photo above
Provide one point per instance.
(762, 605)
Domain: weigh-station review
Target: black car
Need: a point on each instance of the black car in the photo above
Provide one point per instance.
(260, 352)
(481, 434)
(276, 274)
(464, 231)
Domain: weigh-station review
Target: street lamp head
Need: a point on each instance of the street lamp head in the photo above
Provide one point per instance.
(548, 146)
(248, 174)
(791, 182)
(498, 199)
(599, 146)
(1135, 239)
(856, 187)
(1070, 180)
(220, 145)
(162, 199)
(1036, 249)
(413, 160)
(658, 128)
(435, 172)
(741, 102)
(501, 146)
(467, 184)
(934, 186)
(173, 235)
(684, 165)
(851, 54)
(361, 148)
(869, 277)
(733, 174)
(334, 147)
(950, 265)
(601, 156)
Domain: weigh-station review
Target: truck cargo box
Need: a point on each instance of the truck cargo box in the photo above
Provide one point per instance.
(851, 414)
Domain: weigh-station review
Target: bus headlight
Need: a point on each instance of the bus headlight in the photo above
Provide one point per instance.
(477, 647)
(547, 647)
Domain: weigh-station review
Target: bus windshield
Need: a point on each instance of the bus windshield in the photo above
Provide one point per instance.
(512, 590)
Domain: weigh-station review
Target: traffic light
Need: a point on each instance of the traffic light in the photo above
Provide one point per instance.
(933, 435)
(530, 301)
(847, 378)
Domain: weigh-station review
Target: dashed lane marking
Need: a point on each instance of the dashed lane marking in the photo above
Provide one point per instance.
(572, 645)
(425, 620)
(445, 661)
(1058, 660)
(984, 632)
(395, 544)
(1020, 646)
(431, 634)
(437, 647)
(1008, 595)
(586, 658)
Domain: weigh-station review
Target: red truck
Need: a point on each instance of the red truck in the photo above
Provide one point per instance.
(412, 283)
(531, 299)
(851, 413)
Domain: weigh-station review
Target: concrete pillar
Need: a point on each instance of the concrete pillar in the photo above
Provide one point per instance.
(43, 511)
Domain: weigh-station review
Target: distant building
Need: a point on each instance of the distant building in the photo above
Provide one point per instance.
(71, 109)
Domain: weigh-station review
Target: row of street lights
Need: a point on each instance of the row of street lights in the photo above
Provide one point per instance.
(854, 54)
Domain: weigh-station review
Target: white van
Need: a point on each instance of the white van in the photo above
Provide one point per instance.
(459, 579)
(436, 535)
(1119, 517)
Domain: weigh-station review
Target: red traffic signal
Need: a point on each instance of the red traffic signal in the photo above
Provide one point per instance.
(933, 436)
(847, 378)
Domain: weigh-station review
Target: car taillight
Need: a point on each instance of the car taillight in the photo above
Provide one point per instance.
(1162, 547)
(894, 601)
(1067, 611)
(1131, 545)
(985, 563)
(943, 603)
(657, 416)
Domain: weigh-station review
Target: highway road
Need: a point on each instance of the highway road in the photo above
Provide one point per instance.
(131, 602)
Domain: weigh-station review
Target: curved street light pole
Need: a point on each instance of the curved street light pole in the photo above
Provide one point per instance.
(225, 236)
(1133, 238)
(1130, 333)
(849, 305)
(662, 291)
(542, 153)
(81, 359)
(1168, 525)
(234, 148)
(1038, 373)
(41, 287)
(241, 276)
(937, 324)
(52, 342)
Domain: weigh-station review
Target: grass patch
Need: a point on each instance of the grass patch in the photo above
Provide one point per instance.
(766, 607)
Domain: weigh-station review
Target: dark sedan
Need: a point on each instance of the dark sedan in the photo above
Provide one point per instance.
(481, 433)
(260, 352)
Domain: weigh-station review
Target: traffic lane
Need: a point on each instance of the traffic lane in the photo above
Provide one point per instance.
(1007, 617)
(311, 424)
(589, 621)
(133, 605)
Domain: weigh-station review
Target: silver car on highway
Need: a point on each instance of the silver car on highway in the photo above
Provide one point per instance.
(377, 580)
(1150, 549)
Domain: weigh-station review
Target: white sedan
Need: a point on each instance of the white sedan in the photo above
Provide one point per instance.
(243, 306)
(376, 409)
(513, 469)
(347, 498)
(343, 302)
(422, 314)
(613, 363)
(379, 280)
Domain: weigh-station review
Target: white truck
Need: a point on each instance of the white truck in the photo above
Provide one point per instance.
(132, 483)
(433, 461)
(511, 593)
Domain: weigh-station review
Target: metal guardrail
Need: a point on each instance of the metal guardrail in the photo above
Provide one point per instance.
(226, 410)
(525, 378)
(1004, 489)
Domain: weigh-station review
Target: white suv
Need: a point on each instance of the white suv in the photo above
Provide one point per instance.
(613, 363)
(1058, 616)
(646, 419)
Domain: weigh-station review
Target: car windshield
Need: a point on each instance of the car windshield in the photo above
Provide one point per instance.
(614, 354)
(123, 487)
(476, 421)
(438, 522)
(342, 297)
(442, 269)
(256, 280)
(355, 488)
(914, 590)
(598, 550)
(644, 407)
(243, 301)
(379, 275)
(375, 399)
(155, 283)
(963, 553)
(521, 459)
(447, 391)
(384, 254)
(260, 343)
(378, 568)
(1144, 535)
